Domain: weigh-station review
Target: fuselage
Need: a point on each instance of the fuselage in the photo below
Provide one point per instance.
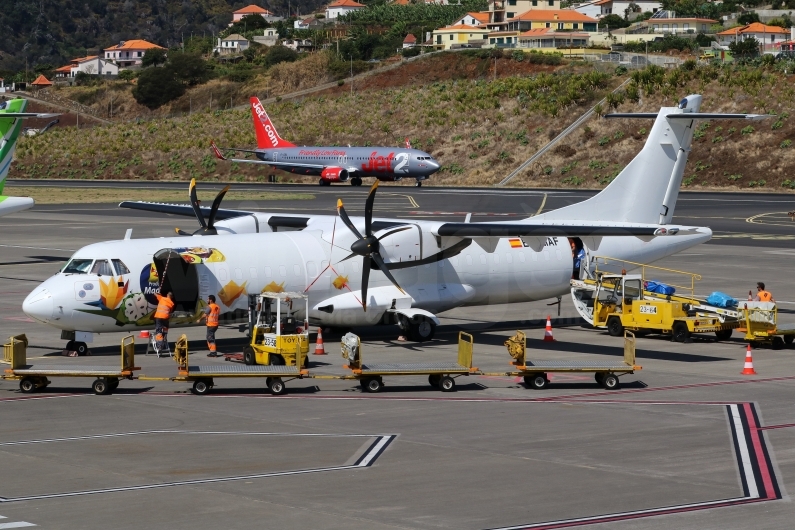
(111, 286)
(385, 163)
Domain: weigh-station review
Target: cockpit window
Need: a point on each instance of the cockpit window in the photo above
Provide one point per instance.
(102, 268)
(120, 267)
(78, 266)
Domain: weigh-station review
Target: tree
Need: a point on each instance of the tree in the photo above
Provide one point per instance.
(280, 54)
(188, 68)
(156, 87)
(744, 48)
(153, 57)
(127, 75)
(613, 22)
(246, 24)
(748, 18)
(782, 22)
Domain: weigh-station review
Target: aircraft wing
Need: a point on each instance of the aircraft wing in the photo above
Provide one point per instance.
(26, 115)
(278, 164)
(179, 209)
(556, 228)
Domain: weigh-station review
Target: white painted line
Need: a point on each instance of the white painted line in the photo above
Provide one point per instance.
(39, 248)
(745, 457)
(374, 451)
(20, 524)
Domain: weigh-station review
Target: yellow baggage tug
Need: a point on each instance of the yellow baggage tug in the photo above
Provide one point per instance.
(276, 339)
(34, 377)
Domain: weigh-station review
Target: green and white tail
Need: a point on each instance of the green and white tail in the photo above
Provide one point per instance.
(10, 129)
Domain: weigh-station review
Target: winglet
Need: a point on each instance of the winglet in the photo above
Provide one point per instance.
(217, 152)
(408, 143)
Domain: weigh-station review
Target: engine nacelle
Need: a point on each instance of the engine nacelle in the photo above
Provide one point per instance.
(334, 174)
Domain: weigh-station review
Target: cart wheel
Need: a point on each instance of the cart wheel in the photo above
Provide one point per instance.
(680, 332)
(600, 378)
(277, 386)
(27, 385)
(434, 379)
(610, 382)
(537, 381)
(275, 359)
(201, 387)
(778, 343)
(614, 327)
(100, 386)
(114, 383)
(724, 334)
(249, 357)
(789, 338)
(374, 385)
(446, 384)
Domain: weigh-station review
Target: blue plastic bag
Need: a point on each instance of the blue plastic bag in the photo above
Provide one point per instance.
(659, 288)
(720, 299)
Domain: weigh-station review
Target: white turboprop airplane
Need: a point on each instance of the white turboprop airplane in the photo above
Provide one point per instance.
(399, 270)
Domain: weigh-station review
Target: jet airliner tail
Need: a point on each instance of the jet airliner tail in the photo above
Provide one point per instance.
(645, 191)
(267, 137)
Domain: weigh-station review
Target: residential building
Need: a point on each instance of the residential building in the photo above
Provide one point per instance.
(129, 53)
(427, 2)
(269, 37)
(500, 11)
(410, 41)
(299, 45)
(231, 45)
(91, 65)
(473, 19)
(342, 7)
(631, 8)
(667, 22)
(557, 19)
(769, 36)
(253, 10)
(309, 23)
(541, 38)
(458, 36)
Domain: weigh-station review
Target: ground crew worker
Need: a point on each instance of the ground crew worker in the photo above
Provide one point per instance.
(762, 295)
(577, 255)
(211, 313)
(165, 305)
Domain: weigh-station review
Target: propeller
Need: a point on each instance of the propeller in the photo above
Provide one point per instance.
(207, 226)
(367, 246)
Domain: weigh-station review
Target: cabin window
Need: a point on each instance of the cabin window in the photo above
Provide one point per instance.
(323, 265)
(120, 267)
(238, 274)
(521, 258)
(297, 270)
(222, 275)
(78, 266)
(469, 259)
(252, 272)
(496, 259)
(282, 270)
(340, 268)
(546, 254)
(311, 269)
(267, 271)
(508, 258)
(483, 259)
(102, 268)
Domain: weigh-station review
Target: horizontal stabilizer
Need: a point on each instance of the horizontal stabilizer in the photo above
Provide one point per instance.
(691, 116)
(556, 229)
(179, 209)
(24, 115)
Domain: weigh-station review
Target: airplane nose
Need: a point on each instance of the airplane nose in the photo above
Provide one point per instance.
(38, 305)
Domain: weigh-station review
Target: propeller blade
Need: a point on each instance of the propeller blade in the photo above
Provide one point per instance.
(368, 210)
(216, 204)
(194, 201)
(346, 219)
(365, 280)
(376, 257)
(182, 232)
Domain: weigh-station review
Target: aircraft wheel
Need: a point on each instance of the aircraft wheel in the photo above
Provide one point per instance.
(201, 387)
(434, 379)
(418, 184)
(447, 384)
(101, 386)
(356, 181)
(27, 385)
(422, 329)
(249, 357)
(614, 327)
(610, 382)
(70, 346)
(81, 348)
(277, 386)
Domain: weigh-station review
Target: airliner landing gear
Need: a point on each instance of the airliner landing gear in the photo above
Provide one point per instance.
(356, 181)
(418, 329)
(324, 182)
(418, 184)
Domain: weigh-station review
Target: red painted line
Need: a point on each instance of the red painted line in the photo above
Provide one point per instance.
(770, 491)
(782, 426)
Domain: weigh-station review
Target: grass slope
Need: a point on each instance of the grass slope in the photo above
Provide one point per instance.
(56, 195)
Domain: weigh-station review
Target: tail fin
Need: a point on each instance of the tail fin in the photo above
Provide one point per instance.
(647, 188)
(408, 143)
(10, 129)
(267, 137)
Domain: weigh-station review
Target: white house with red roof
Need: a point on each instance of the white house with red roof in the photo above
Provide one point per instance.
(342, 7)
(769, 36)
(129, 53)
(252, 10)
(472, 19)
(91, 65)
(410, 41)
(620, 7)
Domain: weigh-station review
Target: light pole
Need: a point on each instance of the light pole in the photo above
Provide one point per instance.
(351, 74)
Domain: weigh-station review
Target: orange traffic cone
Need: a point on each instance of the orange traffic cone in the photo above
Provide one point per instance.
(548, 332)
(144, 334)
(749, 363)
(319, 349)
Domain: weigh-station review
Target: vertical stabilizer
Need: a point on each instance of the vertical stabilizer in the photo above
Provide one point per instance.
(267, 137)
(10, 129)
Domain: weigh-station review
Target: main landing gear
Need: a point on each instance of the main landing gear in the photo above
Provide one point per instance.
(418, 184)
(356, 181)
(80, 347)
(417, 329)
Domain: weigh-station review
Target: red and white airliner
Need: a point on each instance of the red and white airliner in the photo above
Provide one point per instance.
(332, 164)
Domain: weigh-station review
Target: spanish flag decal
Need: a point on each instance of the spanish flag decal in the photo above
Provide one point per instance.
(515, 243)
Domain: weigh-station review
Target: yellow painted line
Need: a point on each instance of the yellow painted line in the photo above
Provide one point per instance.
(768, 237)
(760, 219)
(543, 203)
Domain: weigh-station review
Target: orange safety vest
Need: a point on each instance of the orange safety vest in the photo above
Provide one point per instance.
(764, 296)
(212, 316)
(164, 307)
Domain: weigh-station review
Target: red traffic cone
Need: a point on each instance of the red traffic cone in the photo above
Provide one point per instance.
(319, 349)
(548, 331)
(144, 334)
(748, 369)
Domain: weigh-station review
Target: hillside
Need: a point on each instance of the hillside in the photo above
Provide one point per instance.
(53, 32)
(479, 129)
